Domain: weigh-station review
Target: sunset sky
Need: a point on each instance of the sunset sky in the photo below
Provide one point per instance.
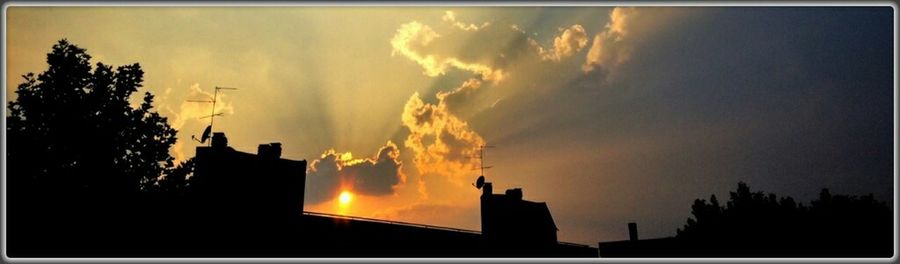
(609, 115)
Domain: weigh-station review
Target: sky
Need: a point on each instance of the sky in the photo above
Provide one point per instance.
(609, 114)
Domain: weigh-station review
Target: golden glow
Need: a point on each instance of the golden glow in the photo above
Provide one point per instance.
(307, 76)
(414, 35)
(346, 156)
(345, 198)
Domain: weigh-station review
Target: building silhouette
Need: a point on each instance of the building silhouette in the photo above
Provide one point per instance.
(646, 248)
(507, 219)
(252, 206)
(240, 204)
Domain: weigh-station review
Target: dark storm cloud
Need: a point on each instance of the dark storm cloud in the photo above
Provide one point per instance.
(336, 172)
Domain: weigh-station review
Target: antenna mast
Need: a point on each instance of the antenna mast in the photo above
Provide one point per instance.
(480, 158)
(213, 114)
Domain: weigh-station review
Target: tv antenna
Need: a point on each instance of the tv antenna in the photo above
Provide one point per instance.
(212, 116)
(480, 158)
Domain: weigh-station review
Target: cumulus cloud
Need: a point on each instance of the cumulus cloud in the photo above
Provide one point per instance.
(335, 172)
(610, 47)
(193, 112)
(569, 42)
(453, 99)
(412, 36)
(450, 17)
(442, 143)
(618, 21)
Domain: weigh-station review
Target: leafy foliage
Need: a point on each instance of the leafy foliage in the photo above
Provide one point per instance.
(758, 224)
(73, 128)
(177, 179)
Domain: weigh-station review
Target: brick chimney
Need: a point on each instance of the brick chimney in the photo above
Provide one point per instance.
(515, 194)
(487, 190)
(219, 141)
(269, 151)
(632, 231)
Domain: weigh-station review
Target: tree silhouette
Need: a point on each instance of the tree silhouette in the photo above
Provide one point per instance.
(761, 225)
(176, 180)
(82, 156)
(72, 128)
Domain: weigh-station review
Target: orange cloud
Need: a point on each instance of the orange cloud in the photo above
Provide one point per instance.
(453, 99)
(610, 47)
(569, 42)
(335, 171)
(614, 46)
(442, 143)
(619, 20)
(450, 17)
(414, 35)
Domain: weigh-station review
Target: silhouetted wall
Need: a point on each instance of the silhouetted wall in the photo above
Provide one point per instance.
(333, 236)
(261, 192)
(508, 220)
(647, 248)
(240, 204)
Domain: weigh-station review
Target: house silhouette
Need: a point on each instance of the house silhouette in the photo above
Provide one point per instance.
(252, 206)
(242, 204)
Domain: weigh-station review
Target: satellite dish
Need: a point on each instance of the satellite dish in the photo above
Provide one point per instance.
(480, 182)
(205, 134)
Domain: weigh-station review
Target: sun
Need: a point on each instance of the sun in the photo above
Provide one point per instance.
(345, 198)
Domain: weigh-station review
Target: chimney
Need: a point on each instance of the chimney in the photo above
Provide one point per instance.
(487, 189)
(269, 151)
(276, 149)
(632, 231)
(219, 141)
(515, 194)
